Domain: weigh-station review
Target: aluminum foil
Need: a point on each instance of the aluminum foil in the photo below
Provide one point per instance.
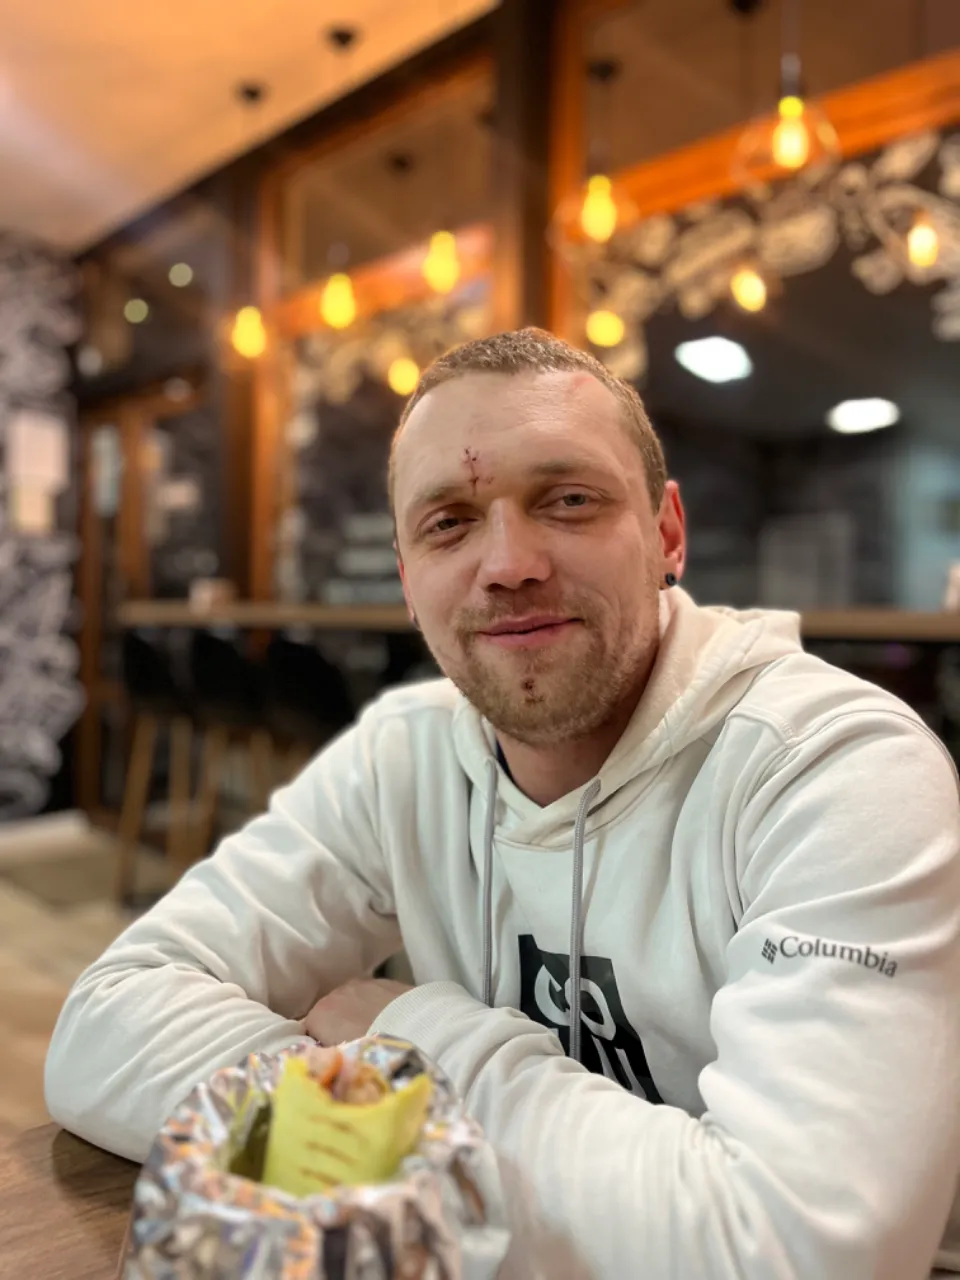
(199, 1213)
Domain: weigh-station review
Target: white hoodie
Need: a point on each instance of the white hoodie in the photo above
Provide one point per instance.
(770, 964)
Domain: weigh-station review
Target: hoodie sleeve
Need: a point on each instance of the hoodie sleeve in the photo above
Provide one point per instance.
(287, 909)
(829, 1145)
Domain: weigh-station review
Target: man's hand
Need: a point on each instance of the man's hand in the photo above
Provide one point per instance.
(349, 1012)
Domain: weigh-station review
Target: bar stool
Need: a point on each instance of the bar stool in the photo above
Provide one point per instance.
(308, 701)
(227, 697)
(157, 701)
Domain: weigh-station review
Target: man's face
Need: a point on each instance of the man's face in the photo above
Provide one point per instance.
(529, 550)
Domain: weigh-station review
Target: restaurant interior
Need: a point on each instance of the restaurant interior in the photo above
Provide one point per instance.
(230, 241)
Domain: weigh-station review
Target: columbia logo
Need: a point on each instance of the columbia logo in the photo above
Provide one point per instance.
(794, 947)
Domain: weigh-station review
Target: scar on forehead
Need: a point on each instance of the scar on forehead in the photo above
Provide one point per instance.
(471, 459)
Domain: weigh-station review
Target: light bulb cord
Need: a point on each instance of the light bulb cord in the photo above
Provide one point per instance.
(790, 77)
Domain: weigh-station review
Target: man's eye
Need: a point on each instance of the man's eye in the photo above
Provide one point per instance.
(444, 524)
(575, 499)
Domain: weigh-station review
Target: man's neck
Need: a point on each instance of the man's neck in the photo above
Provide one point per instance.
(544, 774)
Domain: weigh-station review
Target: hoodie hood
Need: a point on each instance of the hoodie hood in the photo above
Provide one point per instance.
(707, 659)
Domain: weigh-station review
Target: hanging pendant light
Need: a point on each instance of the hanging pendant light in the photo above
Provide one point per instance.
(338, 306)
(923, 243)
(604, 328)
(441, 266)
(599, 208)
(748, 289)
(403, 376)
(598, 217)
(791, 144)
(799, 134)
(248, 334)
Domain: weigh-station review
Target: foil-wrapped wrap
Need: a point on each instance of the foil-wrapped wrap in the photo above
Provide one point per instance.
(199, 1211)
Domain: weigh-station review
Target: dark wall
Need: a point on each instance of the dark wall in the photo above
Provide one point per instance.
(40, 698)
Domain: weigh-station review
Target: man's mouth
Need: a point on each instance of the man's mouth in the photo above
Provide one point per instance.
(531, 630)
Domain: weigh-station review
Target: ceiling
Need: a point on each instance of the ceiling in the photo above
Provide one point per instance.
(692, 68)
(107, 108)
(356, 199)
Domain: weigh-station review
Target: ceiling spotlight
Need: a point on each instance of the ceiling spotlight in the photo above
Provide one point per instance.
(854, 417)
(400, 162)
(714, 359)
(250, 92)
(341, 38)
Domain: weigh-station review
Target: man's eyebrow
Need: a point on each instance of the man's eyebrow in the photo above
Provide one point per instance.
(437, 494)
(552, 468)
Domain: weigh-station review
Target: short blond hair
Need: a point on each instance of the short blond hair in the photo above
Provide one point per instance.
(536, 351)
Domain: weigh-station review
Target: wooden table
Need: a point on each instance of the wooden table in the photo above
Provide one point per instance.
(64, 1207)
(879, 625)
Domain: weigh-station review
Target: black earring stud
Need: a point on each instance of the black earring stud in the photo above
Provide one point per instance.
(670, 579)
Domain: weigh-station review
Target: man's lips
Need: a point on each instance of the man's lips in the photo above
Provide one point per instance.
(534, 622)
(519, 633)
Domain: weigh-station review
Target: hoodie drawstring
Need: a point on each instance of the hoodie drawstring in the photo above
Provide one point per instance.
(576, 906)
(576, 916)
(489, 829)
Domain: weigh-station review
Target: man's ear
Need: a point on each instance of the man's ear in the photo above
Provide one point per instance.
(672, 526)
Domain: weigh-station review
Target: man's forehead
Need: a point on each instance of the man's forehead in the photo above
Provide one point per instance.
(458, 428)
(497, 402)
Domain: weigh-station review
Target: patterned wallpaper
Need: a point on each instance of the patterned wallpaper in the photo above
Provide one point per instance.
(40, 696)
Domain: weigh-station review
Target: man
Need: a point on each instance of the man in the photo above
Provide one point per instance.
(750, 859)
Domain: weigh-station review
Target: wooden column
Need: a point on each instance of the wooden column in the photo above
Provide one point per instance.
(568, 148)
(237, 381)
(525, 31)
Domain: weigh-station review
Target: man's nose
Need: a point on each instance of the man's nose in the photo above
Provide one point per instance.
(513, 551)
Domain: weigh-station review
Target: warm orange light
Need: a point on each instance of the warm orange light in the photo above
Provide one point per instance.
(605, 328)
(923, 243)
(248, 335)
(338, 306)
(598, 217)
(403, 376)
(791, 137)
(749, 289)
(441, 266)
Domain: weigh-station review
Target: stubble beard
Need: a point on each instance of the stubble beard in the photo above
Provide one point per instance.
(547, 697)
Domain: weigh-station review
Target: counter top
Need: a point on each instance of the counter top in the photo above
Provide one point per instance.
(890, 625)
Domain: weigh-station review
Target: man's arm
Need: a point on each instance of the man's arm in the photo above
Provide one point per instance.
(830, 1142)
(297, 902)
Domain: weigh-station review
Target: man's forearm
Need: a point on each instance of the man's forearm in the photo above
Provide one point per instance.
(606, 1185)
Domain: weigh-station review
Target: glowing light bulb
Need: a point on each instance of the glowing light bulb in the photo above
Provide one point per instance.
(338, 306)
(441, 266)
(248, 335)
(180, 274)
(136, 311)
(748, 289)
(923, 243)
(598, 217)
(791, 137)
(605, 328)
(403, 376)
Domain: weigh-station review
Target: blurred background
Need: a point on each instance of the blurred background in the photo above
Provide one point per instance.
(230, 238)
